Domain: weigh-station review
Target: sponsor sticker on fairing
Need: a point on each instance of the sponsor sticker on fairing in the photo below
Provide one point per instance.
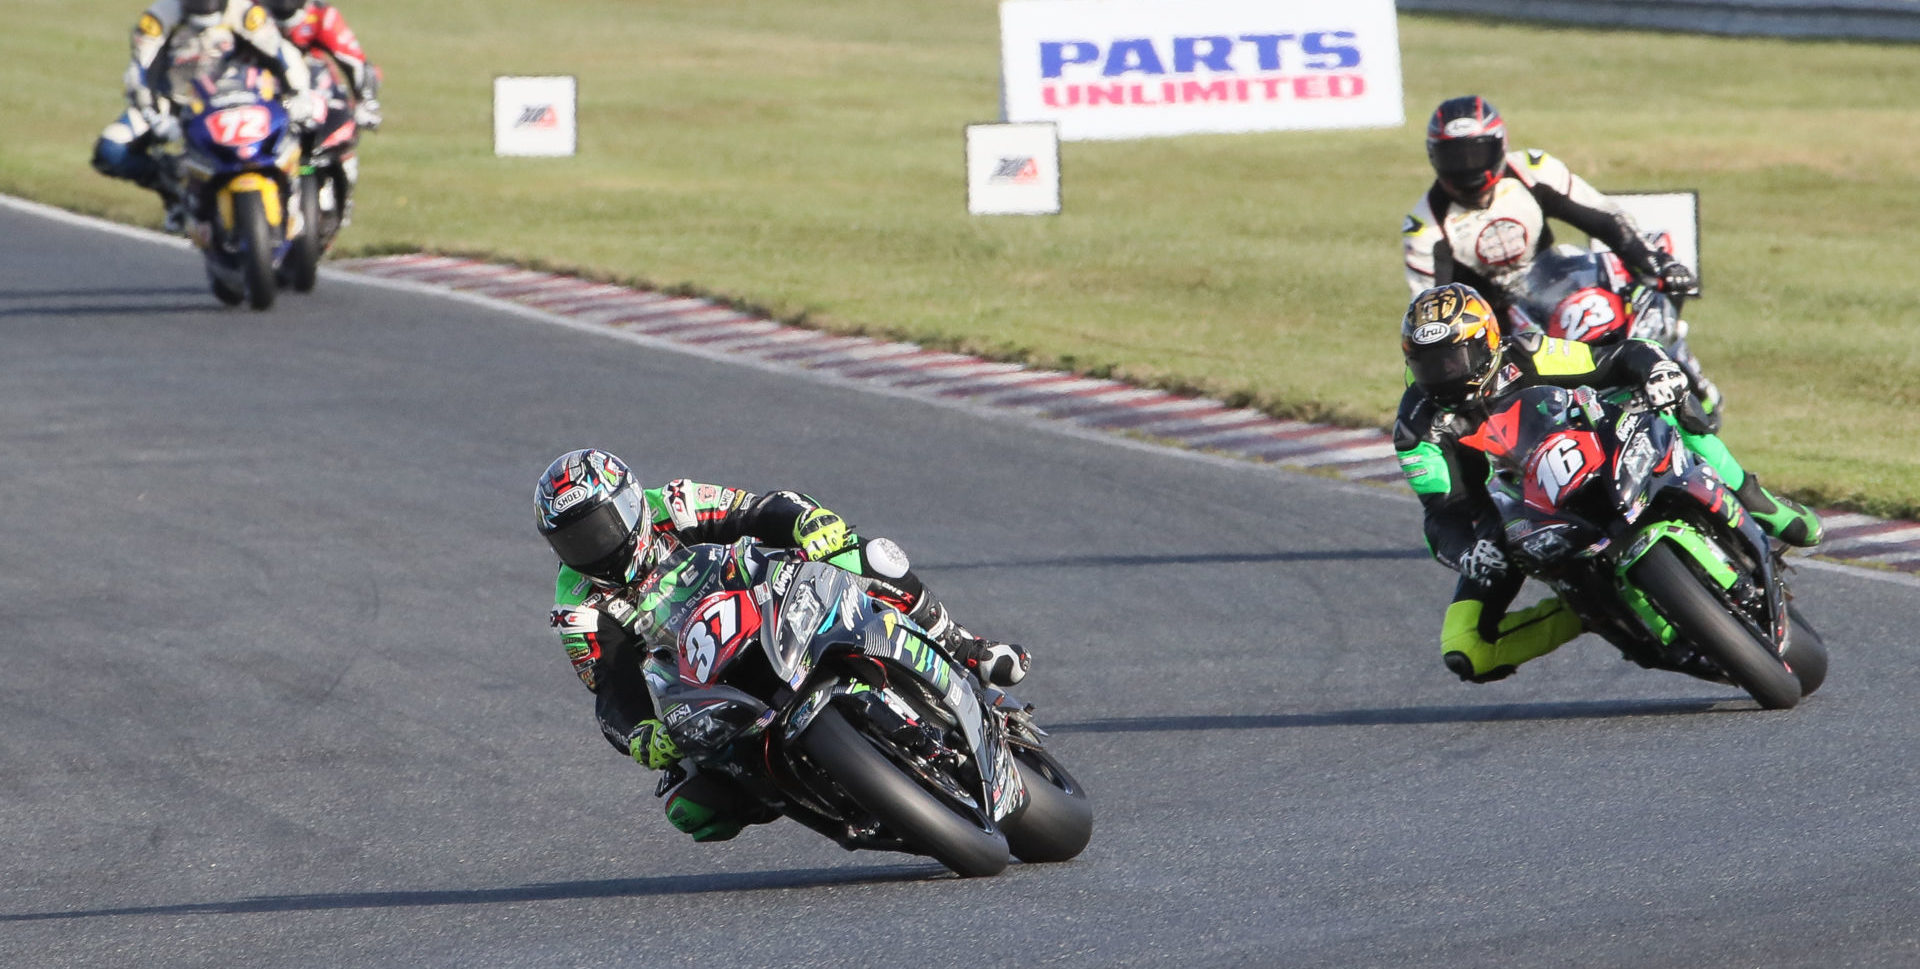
(1107, 69)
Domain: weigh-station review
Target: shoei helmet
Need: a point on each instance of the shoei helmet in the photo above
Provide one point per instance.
(1451, 340)
(1467, 144)
(594, 514)
(285, 11)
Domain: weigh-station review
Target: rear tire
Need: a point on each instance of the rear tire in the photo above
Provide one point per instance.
(1806, 654)
(256, 249)
(1057, 821)
(894, 798)
(1704, 621)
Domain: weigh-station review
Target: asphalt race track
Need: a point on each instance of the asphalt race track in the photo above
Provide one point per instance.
(278, 687)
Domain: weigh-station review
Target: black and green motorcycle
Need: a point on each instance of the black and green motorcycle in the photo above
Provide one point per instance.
(834, 709)
(1601, 500)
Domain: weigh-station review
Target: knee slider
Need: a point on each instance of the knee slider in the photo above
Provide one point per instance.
(886, 559)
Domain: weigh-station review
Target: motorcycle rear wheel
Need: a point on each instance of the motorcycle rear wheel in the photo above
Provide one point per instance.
(256, 249)
(1057, 821)
(888, 792)
(1806, 655)
(1705, 622)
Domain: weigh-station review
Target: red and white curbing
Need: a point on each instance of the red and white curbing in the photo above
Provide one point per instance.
(1191, 422)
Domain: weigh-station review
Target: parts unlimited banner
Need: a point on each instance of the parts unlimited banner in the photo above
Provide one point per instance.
(1110, 69)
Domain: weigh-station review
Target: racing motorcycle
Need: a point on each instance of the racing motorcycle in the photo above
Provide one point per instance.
(831, 707)
(1601, 500)
(325, 185)
(1592, 297)
(240, 165)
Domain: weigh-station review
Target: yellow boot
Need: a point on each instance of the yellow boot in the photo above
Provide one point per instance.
(1532, 632)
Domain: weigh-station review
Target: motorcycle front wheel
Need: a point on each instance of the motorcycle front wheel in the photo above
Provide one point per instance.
(1708, 624)
(256, 249)
(303, 258)
(900, 801)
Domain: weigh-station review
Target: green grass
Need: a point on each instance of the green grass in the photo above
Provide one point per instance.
(805, 157)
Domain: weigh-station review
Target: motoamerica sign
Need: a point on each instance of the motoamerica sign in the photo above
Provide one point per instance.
(1104, 69)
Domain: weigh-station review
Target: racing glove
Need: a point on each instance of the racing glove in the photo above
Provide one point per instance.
(650, 746)
(1676, 277)
(821, 534)
(1483, 562)
(300, 111)
(366, 114)
(163, 126)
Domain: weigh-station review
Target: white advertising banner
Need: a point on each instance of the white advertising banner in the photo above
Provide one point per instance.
(1675, 213)
(1013, 169)
(1108, 69)
(533, 115)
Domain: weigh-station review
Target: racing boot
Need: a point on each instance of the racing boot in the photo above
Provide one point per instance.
(1528, 634)
(995, 663)
(1782, 518)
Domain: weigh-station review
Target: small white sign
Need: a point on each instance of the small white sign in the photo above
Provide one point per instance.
(1145, 68)
(534, 115)
(1675, 213)
(1013, 169)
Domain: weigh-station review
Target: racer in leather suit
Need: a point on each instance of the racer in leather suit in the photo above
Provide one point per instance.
(1484, 219)
(610, 532)
(320, 30)
(1462, 364)
(170, 42)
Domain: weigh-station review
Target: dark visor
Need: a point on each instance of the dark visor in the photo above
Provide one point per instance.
(1465, 156)
(1445, 371)
(594, 542)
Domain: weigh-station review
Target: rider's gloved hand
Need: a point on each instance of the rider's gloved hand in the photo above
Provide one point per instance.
(1676, 277)
(1484, 562)
(821, 534)
(366, 114)
(1666, 386)
(650, 745)
(163, 126)
(300, 111)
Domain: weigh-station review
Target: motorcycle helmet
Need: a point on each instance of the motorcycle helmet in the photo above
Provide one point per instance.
(1467, 145)
(1451, 339)
(202, 13)
(594, 515)
(287, 12)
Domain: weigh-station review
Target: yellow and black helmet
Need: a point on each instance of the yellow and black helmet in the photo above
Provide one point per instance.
(1451, 339)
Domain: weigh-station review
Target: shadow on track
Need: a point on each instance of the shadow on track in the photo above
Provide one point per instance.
(142, 292)
(749, 881)
(1565, 710)
(207, 305)
(1199, 558)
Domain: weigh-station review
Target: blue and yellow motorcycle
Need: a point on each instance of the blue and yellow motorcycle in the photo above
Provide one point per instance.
(241, 169)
